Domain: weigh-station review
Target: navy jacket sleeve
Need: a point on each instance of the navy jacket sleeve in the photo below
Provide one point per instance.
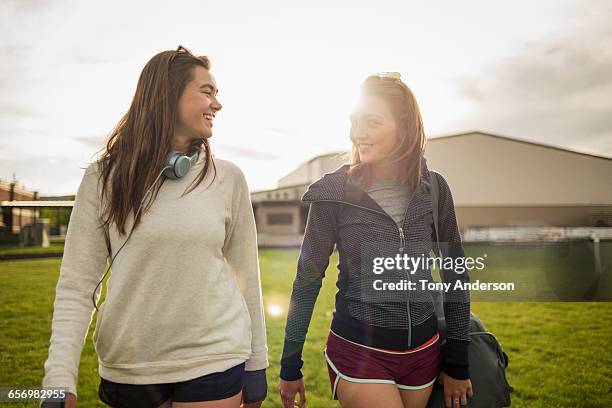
(319, 240)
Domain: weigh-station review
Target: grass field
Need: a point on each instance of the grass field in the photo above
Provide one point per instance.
(54, 247)
(560, 353)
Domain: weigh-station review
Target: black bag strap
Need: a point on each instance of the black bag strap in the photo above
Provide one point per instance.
(435, 194)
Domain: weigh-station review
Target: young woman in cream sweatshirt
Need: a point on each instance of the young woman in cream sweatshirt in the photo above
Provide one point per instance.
(182, 324)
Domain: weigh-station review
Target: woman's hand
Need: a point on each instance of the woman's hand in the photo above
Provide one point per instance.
(456, 392)
(70, 401)
(250, 405)
(288, 390)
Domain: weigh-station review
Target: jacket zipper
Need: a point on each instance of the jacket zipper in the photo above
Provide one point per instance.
(401, 249)
(400, 229)
(402, 244)
(402, 239)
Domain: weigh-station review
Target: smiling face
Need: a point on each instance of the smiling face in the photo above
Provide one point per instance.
(197, 107)
(373, 130)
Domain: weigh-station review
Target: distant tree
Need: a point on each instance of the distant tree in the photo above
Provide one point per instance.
(52, 215)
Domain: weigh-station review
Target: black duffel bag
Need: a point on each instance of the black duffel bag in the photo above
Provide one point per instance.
(487, 362)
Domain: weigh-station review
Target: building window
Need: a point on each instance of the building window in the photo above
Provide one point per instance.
(280, 219)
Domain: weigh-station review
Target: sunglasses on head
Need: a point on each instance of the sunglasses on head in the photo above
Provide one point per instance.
(179, 51)
(388, 75)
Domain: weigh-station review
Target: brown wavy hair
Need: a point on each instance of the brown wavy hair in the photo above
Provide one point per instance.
(409, 150)
(137, 148)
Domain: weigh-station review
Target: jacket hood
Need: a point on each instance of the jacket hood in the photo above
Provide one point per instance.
(336, 186)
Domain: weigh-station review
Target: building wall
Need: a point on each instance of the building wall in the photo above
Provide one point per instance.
(17, 217)
(327, 164)
(293, 193)
(301, 175)
(495, 181)
(314, 169)
(267, 213)
(484, 170)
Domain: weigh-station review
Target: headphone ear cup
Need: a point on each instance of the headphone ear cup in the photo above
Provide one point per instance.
(179, 164)
(170, 165)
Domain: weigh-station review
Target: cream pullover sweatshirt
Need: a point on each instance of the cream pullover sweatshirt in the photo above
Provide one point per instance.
(184, 295)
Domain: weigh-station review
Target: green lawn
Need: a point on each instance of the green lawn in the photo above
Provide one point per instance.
(560, 353)
(54, 247)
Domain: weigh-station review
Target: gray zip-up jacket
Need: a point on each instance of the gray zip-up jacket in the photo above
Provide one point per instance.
(345, 217)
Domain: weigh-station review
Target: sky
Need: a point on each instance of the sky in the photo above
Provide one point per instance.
(288, 74)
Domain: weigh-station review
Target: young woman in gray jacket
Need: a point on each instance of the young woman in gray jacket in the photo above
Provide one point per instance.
(383, 346)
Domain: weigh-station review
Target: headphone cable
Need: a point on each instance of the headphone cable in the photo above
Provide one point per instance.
(93, 296)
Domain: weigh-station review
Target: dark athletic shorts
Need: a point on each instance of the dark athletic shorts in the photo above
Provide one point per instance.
(412, 369)
(211, 387)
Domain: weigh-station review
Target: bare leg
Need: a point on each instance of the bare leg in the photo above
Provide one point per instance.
(416, 398)
(167, 404)
(368, 395)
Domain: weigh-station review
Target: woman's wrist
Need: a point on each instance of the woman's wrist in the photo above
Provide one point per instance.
(455, 360)
(290, 373)
(255, 387)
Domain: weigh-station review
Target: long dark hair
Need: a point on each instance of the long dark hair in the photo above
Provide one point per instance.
(139, 145)
(411, 134)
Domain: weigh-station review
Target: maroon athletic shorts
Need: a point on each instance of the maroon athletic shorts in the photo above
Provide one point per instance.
(411, 369)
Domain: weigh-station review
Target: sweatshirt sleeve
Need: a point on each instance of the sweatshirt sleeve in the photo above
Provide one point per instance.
(83, 262)
(240, 251)
(456, 302)
(320, 238)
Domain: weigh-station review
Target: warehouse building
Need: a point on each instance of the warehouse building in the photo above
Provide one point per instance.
(497, 181)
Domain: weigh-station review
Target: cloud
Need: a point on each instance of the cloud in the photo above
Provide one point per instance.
(246, 152)
(11, 110)
(95, 142)
(35, 174)
(556, 90)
